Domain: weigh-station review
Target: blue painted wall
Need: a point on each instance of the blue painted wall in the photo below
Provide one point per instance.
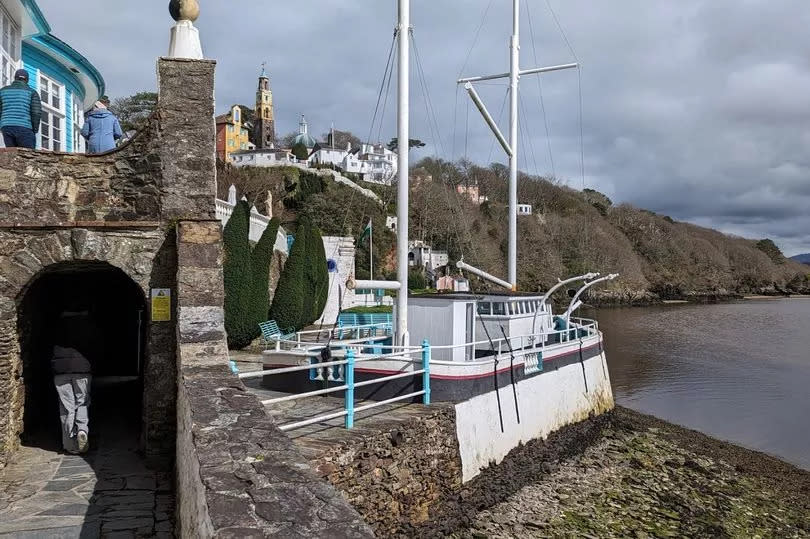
(33, 60)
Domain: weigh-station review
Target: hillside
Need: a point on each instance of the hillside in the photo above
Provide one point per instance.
(571, 232)
(804, 259)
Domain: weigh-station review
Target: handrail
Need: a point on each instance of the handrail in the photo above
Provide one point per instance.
(349, 386)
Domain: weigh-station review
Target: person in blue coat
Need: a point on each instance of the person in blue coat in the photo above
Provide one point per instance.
(20, 112)
(101, 129)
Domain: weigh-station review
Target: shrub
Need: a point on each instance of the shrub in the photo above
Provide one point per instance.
(316, 276)
(416, 280)
(288, 303)
(237, 278)
(300, 151)
(260, 261)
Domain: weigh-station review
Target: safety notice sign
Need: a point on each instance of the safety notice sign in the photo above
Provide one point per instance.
(161, 305)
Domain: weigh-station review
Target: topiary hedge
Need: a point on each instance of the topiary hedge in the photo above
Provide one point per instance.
(288, 303)
(316, 276)
(261, 259)
(237, 278)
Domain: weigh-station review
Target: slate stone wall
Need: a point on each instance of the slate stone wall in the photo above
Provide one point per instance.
(60, 211)
(398, 477)
(237, 474)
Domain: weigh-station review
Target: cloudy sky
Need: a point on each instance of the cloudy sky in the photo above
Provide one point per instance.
(698, 109)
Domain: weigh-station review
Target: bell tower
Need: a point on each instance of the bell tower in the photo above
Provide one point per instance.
(265, 128)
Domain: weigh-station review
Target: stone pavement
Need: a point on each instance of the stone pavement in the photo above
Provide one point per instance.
(109, 492)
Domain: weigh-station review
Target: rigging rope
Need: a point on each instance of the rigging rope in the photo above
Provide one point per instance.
(388, 65)
(540, 89)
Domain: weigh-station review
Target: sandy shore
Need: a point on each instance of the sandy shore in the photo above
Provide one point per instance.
(626, 474)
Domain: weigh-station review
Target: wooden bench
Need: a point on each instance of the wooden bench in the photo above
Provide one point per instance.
(272, 333)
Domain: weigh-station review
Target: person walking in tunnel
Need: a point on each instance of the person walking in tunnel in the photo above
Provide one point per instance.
(71, 376)
(20, 112)
(102, 129)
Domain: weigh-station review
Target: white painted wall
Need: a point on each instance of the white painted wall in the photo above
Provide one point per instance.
(546, 403)
(341, 250)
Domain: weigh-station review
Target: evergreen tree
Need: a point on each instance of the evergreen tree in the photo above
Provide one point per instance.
(300, 151)
(316, 276)
(288, 303)
(261, 259)
(237, 278)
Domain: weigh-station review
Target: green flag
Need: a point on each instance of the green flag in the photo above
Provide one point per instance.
(366, 232)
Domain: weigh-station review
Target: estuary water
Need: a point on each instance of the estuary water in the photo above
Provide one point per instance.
(737, 371)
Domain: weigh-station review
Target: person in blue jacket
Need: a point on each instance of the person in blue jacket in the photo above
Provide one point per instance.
(101, 128)
(20, 112)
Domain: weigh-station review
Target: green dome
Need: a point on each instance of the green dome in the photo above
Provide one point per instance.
(308, 141)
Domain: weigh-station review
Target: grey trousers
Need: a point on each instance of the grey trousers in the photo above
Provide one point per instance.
(74, 398)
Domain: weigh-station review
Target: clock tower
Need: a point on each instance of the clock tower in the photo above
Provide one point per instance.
(265, 123)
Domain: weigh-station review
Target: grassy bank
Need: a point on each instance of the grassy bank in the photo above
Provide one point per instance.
(630, 475)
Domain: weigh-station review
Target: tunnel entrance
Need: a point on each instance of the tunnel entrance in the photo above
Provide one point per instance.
(112, 318)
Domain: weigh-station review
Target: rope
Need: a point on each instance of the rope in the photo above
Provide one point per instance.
(475, 39)
(581, 130)
(562, 32)
(540, 89)
(382, 85)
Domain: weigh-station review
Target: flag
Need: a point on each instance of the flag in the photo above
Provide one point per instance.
(366, 232)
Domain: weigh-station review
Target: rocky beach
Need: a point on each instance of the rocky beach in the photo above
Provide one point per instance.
(627, 474)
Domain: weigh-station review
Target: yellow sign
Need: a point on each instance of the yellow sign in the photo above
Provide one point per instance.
(161, 305)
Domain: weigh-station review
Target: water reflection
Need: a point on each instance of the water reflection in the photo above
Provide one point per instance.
(739, 371)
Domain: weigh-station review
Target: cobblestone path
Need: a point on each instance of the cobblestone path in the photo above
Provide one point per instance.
(109, 492)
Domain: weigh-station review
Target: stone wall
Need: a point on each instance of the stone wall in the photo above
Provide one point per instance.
(397, 477)
(59, 211)
(237, 474)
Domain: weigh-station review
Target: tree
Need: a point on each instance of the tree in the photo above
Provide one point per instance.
(768, 247)
(237, 278)
(412, 143)
(316, 276)
(261, 258)
(342, 138)
(248, 114)
(133, 112)
(288, 303)
(300, 151)
(288, 140)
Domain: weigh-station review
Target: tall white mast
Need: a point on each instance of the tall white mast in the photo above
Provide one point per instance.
(403, 112)
(514, 77)
(511, 148)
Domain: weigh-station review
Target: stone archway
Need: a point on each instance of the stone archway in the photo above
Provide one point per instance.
(146, 257)
(113, 308)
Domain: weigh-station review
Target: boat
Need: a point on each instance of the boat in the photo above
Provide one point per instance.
(513, 369)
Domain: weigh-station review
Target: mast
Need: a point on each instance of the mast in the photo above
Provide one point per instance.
(514, 77)
(403, 112)
(511, 148)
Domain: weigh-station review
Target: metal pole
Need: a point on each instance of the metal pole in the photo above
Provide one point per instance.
(349, 394)
(514, 75)
(403, 113)
(370, 249)
(426, 374)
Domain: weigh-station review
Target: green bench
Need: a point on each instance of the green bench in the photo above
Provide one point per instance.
(272, 333)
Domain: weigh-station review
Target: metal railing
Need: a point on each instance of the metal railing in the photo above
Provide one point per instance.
(353, 358)
(579, 328)
(316, 339)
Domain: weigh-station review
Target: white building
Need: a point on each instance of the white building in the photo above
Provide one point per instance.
(377, 163)
(326, 154)
(421, 255)
(391, 223)
(524, 209)
(267, 157)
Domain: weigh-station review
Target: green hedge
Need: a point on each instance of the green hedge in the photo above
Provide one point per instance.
(288, 303)
(261, 259)
(237, 278)
(317, 276)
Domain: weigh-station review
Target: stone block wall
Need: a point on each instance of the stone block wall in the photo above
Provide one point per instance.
(59, 212)
(237, 474)
(399, 476)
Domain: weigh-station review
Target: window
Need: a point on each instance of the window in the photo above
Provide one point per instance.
(78, 123)
(9, 48)
(52, 130)
(230, 128)
(236, 115)
(484, 307)
(498, 309)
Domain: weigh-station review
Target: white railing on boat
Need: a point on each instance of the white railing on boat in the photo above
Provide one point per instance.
(304, 339)
(412, 355)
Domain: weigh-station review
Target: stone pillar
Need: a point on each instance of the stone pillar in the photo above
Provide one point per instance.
(200, 295)
(187, 138)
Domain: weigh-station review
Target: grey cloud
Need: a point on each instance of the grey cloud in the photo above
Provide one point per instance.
(696, 109)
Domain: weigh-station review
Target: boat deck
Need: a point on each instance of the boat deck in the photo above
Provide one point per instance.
(316, 439)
